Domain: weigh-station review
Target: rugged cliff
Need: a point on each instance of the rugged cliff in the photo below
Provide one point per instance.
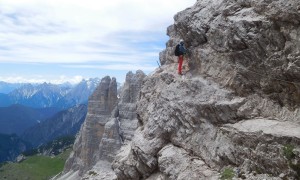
(237, 107)
(110, 122)
(235, 111)
(86, 148)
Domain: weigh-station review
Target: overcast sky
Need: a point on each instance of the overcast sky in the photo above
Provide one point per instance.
(67, 40)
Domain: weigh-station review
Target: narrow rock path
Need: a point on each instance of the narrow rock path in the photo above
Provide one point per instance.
(268, 126)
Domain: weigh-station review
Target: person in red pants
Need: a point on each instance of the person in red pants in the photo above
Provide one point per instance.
(180, 51)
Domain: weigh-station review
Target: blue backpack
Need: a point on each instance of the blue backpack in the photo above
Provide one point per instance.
(177, 50)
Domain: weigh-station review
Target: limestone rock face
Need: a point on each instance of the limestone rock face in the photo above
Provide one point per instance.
(109, 123)
(248, 46)
(86, 147)
(236, 107)
(127, 105)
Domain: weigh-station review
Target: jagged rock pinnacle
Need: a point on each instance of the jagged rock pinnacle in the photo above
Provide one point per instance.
(110, 122)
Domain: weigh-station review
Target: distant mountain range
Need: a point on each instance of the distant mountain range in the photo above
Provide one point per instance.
(47, 95)
(64, 123)
(23, 128)
(34, 114)
(6, 88)
(16, 118)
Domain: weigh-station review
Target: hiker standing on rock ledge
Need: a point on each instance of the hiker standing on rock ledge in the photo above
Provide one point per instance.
(180, 50)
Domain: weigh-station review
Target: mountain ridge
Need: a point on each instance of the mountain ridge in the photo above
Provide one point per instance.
(50, 95)
(16, 118)
(63, 123)
(6, 87)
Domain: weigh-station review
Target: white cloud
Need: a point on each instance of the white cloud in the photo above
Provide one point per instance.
(41, 79)
(62, 79)
(82, 31)
(118, 67)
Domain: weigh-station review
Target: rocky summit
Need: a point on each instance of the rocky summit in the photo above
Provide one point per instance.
(235, 113)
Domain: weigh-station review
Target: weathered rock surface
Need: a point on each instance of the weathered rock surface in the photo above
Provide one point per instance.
(237, 108)
(176, 163)
(109, 123)
(86, 148)
(127, 104)
(249, 46)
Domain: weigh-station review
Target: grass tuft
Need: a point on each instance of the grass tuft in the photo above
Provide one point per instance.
(288, 151)
(227, 174)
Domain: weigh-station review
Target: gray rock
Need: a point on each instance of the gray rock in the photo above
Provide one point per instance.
(20, 158)
(249, 46)
(101, 171)
(110, 142)
(176, 163)
(127, 104)
(239, 105)
(86, 148)
(181, 112)
(110, 122)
